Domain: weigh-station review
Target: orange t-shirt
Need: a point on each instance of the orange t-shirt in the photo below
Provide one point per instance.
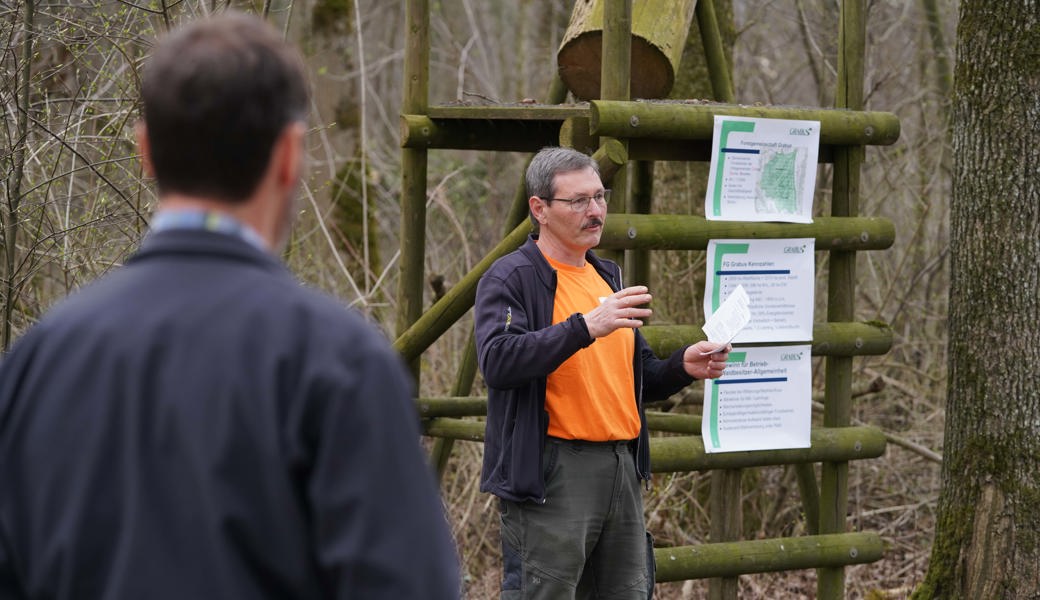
(591, 395)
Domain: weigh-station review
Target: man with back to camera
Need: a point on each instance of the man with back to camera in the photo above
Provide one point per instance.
(197, 424)
(566, 443)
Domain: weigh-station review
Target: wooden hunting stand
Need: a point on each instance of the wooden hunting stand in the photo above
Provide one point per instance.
(618, 131)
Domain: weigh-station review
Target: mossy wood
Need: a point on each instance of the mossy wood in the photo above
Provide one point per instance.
(659, 29)
(522, 112)
(415, 99)
(726, 514)
(521, 129)
(729, 559)
(686, 232)
(686, 453)
(513, 135)
(574, 133)
(719, 71)
(841, 288)
(476, 406)
(691, 121)
(829, 339)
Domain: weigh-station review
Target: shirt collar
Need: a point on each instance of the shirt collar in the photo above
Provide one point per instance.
(203, 220)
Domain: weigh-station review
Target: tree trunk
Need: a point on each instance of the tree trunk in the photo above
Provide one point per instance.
(987, 542)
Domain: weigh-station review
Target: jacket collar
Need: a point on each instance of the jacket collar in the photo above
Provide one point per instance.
(547, 274)
(187, 242)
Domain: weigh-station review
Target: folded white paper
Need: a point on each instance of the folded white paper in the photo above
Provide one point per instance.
(726, 322)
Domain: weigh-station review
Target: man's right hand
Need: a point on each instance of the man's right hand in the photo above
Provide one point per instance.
(618, 310)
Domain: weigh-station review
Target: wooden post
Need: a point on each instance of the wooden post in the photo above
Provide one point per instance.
(615, 74)
(725, 509)
(637, 262)
(656, 38)
(413, 172)
(726, 523)
(841, 287)
(714, 53)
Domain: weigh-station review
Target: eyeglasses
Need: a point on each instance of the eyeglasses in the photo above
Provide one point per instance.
(581, 203)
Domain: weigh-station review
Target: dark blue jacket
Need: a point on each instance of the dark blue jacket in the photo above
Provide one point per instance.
(198, 425)
(518, 347)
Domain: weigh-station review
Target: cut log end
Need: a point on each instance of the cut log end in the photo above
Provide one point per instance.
(579, 64)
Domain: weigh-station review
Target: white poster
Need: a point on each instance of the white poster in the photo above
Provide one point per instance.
(763, 401)
(780, 281)
(762, 170)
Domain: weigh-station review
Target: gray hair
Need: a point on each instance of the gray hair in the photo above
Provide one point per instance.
(540, 178)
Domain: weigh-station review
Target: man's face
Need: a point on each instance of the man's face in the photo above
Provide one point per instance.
(577, 231)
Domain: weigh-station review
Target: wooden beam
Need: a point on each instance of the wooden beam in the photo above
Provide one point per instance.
(476, 406)
(829, 339)
(729, 559)
(687, 232)
(691, 121)
(686, 453)
(506, 135)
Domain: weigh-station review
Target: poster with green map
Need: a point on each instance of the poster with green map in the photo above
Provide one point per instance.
(762, 170)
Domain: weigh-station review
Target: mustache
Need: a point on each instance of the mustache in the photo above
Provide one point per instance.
(593, 222)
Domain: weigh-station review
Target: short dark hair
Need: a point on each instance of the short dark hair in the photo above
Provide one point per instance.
(540, 178)
(217, 94)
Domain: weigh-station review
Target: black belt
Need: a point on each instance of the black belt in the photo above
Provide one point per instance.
(588, 444)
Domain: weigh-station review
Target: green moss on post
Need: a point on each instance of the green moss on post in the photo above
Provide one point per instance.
(413, 172)
(842, 287)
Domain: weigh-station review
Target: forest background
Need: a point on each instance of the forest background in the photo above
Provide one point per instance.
(75, 204)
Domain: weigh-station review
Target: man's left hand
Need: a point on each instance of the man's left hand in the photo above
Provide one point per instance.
(705, 366)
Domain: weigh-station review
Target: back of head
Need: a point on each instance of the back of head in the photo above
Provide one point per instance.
(217, 93)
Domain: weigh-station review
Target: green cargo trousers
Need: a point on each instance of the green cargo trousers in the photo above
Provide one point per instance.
(589, 539)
